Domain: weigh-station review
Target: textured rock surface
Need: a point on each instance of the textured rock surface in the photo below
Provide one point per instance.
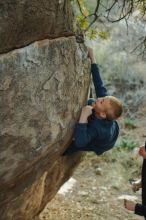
(24, 21)
(42, 89)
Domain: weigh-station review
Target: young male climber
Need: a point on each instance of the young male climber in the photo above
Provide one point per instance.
(97, 129)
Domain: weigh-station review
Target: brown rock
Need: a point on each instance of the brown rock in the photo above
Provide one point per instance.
(23, 22)
(42, 89)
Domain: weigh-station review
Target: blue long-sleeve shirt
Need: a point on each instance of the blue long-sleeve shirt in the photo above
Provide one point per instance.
(98, 135)
(100, 90)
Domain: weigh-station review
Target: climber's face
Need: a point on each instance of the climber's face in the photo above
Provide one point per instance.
(101, 106)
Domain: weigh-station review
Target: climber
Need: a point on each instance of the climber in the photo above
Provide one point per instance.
(97, 129)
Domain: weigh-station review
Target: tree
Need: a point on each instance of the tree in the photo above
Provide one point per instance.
(93, 12)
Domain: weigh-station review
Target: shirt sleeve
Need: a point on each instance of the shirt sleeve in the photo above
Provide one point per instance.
(140, 210)
(97, 81)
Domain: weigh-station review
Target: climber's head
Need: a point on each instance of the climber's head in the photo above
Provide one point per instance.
(108, 107)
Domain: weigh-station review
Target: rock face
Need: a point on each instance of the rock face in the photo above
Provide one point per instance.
(24, 21)
(42, 88)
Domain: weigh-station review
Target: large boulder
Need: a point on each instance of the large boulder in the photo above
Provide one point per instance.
(24, 21)
(42, 88)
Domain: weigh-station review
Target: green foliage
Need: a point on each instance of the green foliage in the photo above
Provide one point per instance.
(85, 15)
(82, 22)
(129, 123)
(127, 144)
(92, 34)
(140, 5)
(103, 35)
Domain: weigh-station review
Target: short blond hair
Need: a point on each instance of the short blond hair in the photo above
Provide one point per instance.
(116, 108)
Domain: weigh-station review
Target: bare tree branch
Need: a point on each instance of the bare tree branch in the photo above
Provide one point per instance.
(80, 8)
(125, 9)
(94, 14)
(128, 10)
(140, 47)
